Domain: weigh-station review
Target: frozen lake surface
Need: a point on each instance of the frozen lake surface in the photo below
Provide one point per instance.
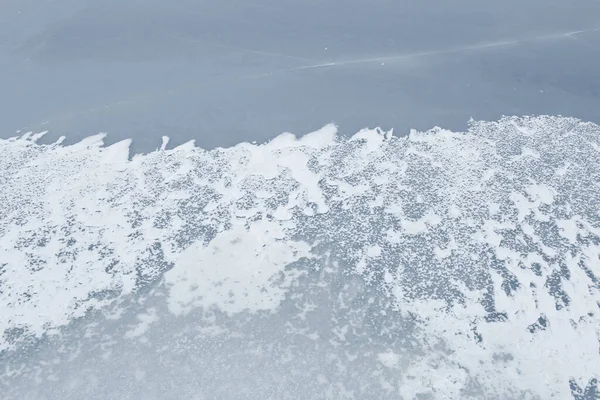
(346, 262)
(236, 71)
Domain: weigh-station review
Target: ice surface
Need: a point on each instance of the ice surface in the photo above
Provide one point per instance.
(236, 71)
(441, 265)
(436, 265)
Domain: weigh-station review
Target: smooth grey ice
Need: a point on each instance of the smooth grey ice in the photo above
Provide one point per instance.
(225, 72)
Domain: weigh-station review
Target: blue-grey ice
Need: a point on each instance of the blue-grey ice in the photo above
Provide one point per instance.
(225, 73)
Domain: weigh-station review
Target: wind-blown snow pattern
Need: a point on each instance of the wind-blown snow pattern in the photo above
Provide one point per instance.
(437, 265)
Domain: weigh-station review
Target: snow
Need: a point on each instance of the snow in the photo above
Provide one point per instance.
(310, 255)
